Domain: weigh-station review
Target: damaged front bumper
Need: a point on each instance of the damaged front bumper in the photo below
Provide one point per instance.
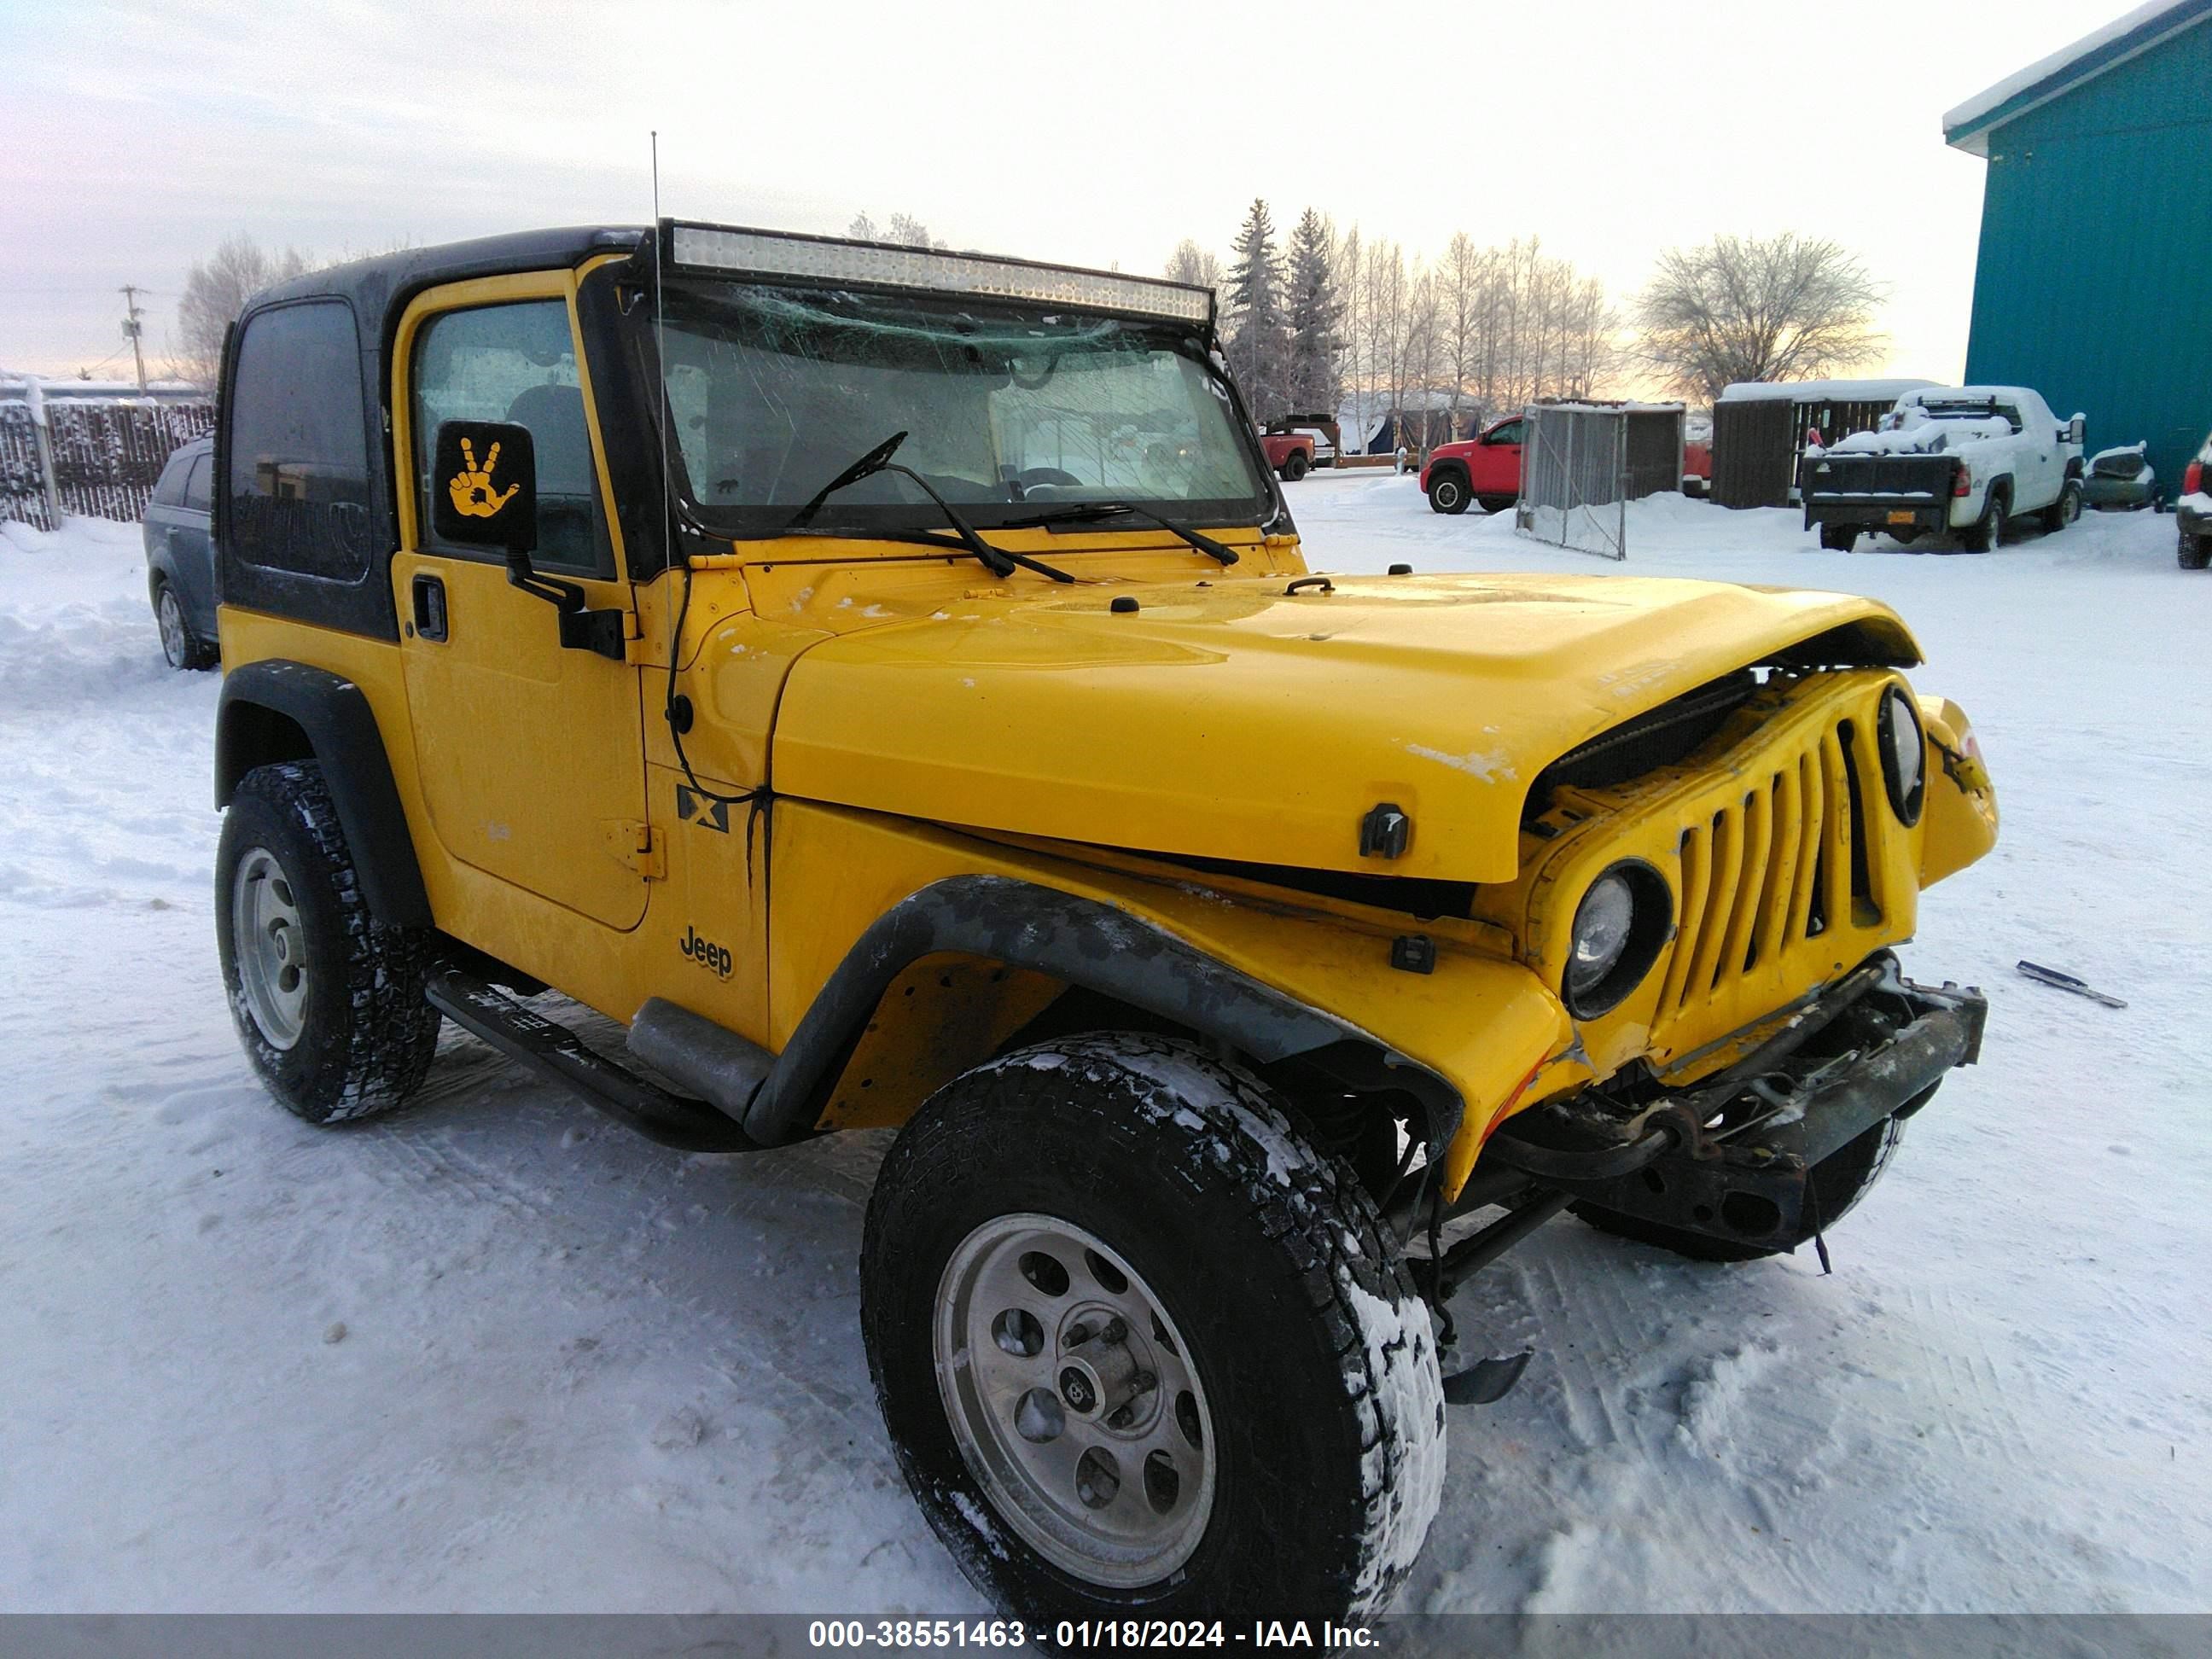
(1731, 1157)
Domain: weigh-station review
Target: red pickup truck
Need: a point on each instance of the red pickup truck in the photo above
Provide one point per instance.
(1291, 453)
(1486, 468)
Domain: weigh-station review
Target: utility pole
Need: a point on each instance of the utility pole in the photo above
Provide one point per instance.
(134, 328)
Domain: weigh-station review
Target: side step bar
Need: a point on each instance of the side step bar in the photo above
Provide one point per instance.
(559, 1055)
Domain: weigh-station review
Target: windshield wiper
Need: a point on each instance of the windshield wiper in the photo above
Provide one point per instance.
(1079, 512)
(996, 560)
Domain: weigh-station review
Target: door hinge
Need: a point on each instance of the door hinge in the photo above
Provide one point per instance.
(640, 845)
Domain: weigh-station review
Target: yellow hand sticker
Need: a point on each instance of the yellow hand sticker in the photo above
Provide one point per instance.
(473, 495)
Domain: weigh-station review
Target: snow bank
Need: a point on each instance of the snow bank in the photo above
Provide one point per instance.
(565, 1345)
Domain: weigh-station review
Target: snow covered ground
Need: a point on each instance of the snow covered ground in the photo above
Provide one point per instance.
(496, 1353)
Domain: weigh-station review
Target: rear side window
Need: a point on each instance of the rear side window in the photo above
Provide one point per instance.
(515, 363)
(169, 490)
(197, 495)
(298, 456)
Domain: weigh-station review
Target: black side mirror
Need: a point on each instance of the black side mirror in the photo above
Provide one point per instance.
(484, 493)
(484, 486)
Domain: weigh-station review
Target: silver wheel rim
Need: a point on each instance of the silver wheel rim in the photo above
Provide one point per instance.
(271, 947)
(1072, 1397)
(170, 615)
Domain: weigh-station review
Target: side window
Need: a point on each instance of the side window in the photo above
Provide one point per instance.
(515, 363)
(198, 497)
(298, 455)
(1508, 433)
(169, 488)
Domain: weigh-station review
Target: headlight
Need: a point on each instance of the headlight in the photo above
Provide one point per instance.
(1618, 928)
(1904, 756)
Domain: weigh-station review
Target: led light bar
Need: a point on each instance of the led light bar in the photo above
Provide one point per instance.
(818, 258)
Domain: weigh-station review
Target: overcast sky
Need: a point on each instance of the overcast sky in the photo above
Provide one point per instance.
(139, 134)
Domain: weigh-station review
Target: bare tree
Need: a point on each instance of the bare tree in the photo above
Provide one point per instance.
(216, 290)
(1352, 282)
(904, 229)
(1747, 308)
(1190, 263)
(1459, 317)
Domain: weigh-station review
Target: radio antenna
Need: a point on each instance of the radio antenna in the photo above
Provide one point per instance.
(677, 708)
(660, 347)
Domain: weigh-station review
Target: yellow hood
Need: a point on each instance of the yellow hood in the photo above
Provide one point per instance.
(1233, 721)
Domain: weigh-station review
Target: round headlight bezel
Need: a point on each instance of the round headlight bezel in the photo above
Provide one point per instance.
(1651, 921)
(1907, 796)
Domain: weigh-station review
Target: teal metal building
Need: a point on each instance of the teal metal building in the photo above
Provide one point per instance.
(2094, 283)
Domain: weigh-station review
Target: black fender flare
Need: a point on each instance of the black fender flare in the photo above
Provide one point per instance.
(1085, 943)
(1451, 463)
(331, 713)
(2075, 470)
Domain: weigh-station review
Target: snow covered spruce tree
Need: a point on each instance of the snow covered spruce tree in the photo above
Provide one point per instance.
(1259, 335)
(1314, 308)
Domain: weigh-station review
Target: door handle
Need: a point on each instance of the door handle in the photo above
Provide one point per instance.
(429, 593)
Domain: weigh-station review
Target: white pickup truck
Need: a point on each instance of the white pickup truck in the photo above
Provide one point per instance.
(1964, 457)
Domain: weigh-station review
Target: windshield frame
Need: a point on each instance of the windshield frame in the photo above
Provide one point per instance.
(698, 294)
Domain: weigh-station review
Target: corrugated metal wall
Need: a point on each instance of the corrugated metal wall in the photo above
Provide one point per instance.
(2094, 281)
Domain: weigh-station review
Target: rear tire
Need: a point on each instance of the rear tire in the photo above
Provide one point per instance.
(1838, 537)
(2193, 551)
(1447, 492)
(2066, 509)
(1985, 533)
(328, 1001)
(1834, 1188)
(1497, 503)
(1295, 468)
(180, 646)
(1296, 1470)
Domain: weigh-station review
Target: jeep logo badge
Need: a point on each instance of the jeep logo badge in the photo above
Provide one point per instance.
(714, 957)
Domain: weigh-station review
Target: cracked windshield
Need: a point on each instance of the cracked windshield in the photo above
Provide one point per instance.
(774, 392)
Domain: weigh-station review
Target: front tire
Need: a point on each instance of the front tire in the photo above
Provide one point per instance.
(328, 1001)
(1447, 492)
(1075, 1215)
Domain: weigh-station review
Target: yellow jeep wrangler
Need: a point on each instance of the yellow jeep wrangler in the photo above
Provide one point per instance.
(889, 683)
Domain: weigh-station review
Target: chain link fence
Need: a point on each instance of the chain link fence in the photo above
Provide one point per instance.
(1574, 478)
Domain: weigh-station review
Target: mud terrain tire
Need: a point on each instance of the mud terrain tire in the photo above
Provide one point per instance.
(335, 1021)
(1315, 1365)
(1836, 1187)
